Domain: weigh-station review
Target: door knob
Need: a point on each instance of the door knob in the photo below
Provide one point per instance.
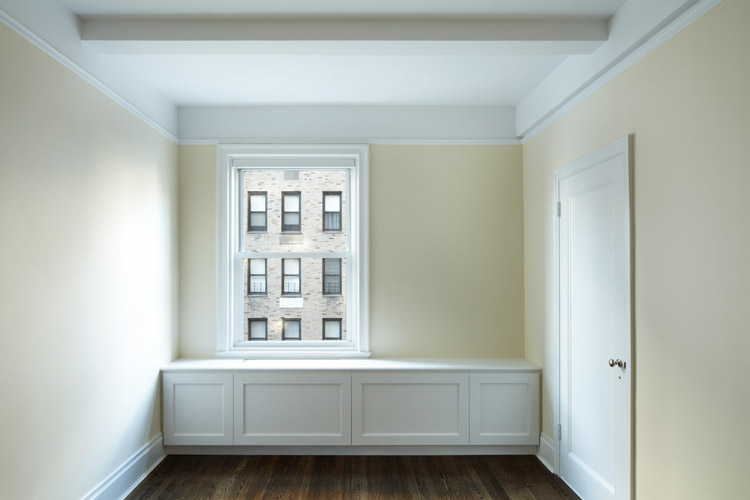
(616, 362)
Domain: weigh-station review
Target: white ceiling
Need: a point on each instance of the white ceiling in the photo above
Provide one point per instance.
(319, 79)
(382, 63)
(387, 69)
(346, 7)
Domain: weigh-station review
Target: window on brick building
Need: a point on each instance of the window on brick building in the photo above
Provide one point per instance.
(258, 328)
(256, 278)
(274, 235)
(331, 328)
(331, 211)
(257, 217)
(291, 276)
(331, 276)
(292, 329)
(291, 209)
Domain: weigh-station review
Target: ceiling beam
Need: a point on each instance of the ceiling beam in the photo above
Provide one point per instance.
(503, 35)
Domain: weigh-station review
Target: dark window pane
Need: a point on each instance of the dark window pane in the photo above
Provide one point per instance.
(292, 329)
(332, 221)
(257, 220)
(332, 285)
(257, 284)
(291, 284)
(332, 266)
(291, 219)
(258, 329)
(332, 329)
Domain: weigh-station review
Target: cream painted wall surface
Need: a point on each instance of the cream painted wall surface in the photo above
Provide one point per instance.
(688, 106)
(446, 251)
(197, 251)
(88, 278)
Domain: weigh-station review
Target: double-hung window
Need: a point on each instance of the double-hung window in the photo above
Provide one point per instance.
(291, 329)
(256, 218)
(256, 278)
(331, 329)
(291, 209)
(289, 269)
(331, 276)
(331, 211)
(291, 278)
(257, 328)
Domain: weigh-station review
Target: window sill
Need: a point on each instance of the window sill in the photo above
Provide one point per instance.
(307, 354)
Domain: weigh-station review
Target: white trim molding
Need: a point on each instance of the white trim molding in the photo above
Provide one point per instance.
(53, 36)
(231, 161)
(579, 77)
(546, 452)
(635, 30)
(361, 140)
(123, 481)
(370, 450)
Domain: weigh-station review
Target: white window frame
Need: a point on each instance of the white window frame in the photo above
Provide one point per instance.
(230, 219)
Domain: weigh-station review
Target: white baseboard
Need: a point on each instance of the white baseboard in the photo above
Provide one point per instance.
(546, 453)
(351, 450)
(122, 481)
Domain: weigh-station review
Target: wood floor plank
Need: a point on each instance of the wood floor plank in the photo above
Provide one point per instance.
(351, 478)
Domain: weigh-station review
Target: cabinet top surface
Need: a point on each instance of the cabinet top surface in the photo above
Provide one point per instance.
(403, 364)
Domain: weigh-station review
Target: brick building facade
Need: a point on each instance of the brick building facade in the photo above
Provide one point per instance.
(294, 222)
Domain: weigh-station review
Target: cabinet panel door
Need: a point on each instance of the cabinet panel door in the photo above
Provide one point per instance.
(197, 409)
(292, 409)
(505, 408)
(410, 408)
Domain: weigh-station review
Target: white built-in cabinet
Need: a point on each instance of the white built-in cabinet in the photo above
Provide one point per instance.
(292, 408)
(198, 408)
(358, 402)
(410, 408)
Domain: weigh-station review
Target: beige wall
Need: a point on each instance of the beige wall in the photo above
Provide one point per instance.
(446, 251)
(687, 105)
(197, 182)
(88, 277)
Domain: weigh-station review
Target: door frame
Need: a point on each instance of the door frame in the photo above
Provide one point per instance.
(620, 147)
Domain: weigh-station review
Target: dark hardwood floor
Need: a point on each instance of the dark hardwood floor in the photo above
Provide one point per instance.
(189, 477)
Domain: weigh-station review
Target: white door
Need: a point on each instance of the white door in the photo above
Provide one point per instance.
(595, 324)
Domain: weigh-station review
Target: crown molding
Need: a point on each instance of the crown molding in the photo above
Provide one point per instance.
(637, 29)
(349, 140)
(675, 23)
(139, 100)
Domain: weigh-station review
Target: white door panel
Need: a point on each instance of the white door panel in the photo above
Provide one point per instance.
(594, 323)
